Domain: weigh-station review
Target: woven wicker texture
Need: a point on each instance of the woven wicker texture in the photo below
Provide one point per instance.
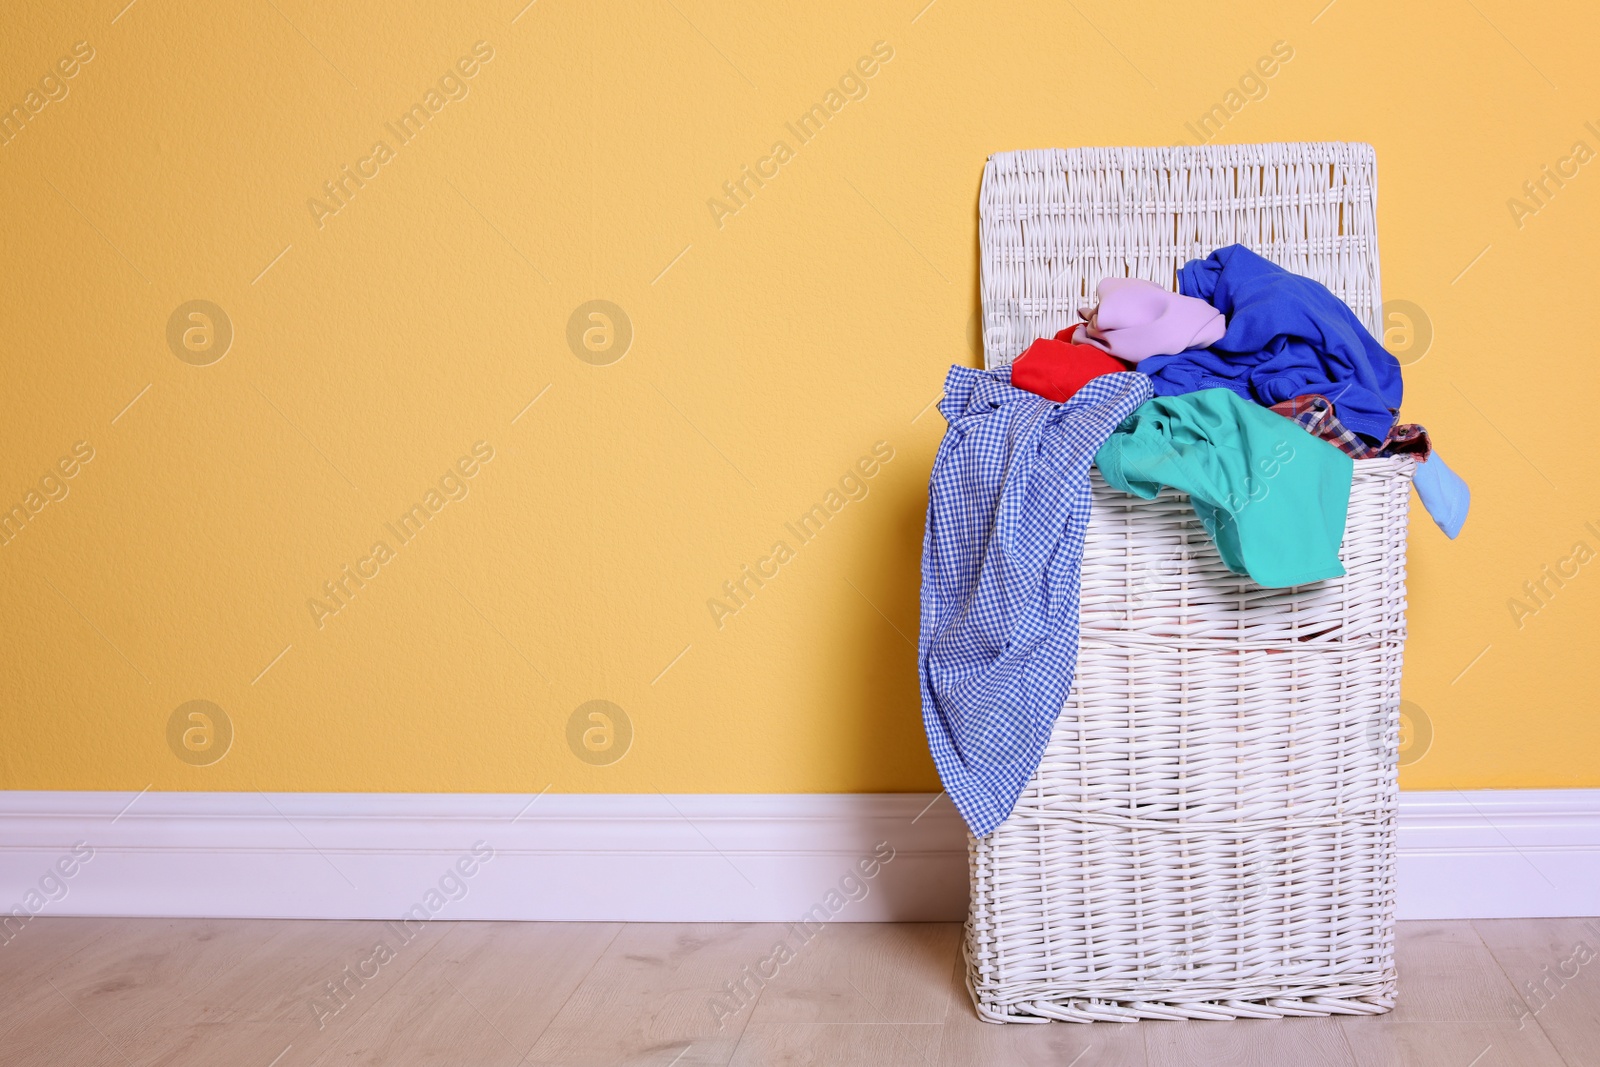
(1210, 833)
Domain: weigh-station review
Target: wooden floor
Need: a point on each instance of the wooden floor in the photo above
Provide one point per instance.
(231, 993)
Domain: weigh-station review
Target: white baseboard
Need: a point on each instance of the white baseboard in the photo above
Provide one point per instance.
(652, 858)
(1499, 853)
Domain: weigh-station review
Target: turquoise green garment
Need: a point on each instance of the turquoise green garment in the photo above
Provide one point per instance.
(1272, 496)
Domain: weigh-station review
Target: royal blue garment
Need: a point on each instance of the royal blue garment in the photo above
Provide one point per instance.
(1287, 336)
(1008, 504)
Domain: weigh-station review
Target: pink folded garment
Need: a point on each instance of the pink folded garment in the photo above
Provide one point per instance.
(1137, 319)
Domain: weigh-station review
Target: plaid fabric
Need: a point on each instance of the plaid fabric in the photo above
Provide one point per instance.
(1008, 504)
(1315, 415)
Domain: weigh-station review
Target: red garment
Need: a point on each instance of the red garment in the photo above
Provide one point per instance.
(1056, 369)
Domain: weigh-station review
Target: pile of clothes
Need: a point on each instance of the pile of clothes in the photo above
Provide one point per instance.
(1252, 389)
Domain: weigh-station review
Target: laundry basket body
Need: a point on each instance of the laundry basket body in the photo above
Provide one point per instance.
(1210, 833)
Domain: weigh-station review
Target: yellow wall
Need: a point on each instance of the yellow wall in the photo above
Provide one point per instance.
(771, 350)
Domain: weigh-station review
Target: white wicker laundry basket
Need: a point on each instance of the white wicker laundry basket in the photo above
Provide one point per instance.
(1210, 834)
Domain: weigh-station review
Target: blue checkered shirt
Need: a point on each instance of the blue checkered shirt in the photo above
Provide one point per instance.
(1008, 505)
